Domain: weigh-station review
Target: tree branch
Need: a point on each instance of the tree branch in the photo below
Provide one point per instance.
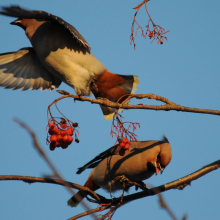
(98, 209)
(176, 184)
(108, 203)
(166, 107)
(29, 179)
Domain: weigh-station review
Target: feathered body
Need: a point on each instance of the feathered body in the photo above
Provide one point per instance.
(143, 159)
(59, 54)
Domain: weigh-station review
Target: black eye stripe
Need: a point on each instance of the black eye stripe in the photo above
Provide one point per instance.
(158, 158)
(151, 167)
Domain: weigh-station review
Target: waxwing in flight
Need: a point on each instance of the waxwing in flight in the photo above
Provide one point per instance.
(59, 54)
(143, 159)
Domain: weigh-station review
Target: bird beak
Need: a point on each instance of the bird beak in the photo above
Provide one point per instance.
(158, 168)
(15, 22)
(161, 170)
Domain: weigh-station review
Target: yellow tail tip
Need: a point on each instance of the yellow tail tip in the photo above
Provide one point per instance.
(109, 117)
(135, 83)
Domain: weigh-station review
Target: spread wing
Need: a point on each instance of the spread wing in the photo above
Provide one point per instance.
(22, 69)
(16, 11)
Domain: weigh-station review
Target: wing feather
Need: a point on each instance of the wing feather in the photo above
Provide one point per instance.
(22, 69)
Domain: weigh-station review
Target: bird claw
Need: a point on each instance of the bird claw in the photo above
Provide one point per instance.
(121, 179)
(124, 179)
(140, 185)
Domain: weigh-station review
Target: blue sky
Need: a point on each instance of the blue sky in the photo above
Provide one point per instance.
(185, 70)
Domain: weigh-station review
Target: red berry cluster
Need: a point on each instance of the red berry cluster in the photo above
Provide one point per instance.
(123, 143)
(61, 134)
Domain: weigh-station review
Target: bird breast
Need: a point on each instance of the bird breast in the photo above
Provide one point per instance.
(132, 166)
(64, 57)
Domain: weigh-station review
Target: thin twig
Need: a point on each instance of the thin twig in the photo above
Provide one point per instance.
(162, 202)
(99, 209)
(29, 179)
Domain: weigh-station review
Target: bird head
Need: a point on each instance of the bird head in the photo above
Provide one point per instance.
(18, 23)
(162, 158)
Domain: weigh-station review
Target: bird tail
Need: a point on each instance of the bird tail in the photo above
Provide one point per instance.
(76, 199)
(113, 86)
(79, 196)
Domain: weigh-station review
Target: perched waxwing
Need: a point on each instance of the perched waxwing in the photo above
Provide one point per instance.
(59, 54)
(140, 162)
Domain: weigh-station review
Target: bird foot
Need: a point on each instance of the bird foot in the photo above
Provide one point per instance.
(124, 179)
(141, 185)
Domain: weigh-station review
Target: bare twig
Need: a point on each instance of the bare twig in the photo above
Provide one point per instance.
(162, 202)
(99, 209)
(164, 205)
(157, 33)
(29, 179)
(166, 107)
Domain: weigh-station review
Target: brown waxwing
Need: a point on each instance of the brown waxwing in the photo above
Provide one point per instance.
(59, 54)
(143, 159)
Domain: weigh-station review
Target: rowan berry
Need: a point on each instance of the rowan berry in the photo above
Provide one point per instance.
(69, 139)
(75, 124)
(127, 146)
(69, 131)
(151, 34)
(57, 144)
(65, 139)
(62, 133)
(121, 152)
(52, 146)
(51, 130)
(76, 140)
(122, 144)
(63, 125)
(125, 140)
(64, 145)
(53, 138)
(59, 138)
(51, 125)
